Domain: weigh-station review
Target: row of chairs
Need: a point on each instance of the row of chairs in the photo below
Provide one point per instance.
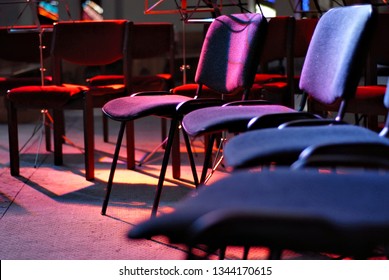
(290, 203)
(87, 44)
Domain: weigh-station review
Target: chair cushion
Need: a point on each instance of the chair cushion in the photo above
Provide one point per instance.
(285, 145)
(293, 208)
(44, 97)
(107, 89)
(139, 83)
(262, 78)
(206, 92)
(133, 107)
(231, 118)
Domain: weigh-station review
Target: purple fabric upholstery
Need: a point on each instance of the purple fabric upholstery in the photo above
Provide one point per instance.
(300, 210)
(284, 145)
(323, 77)
(232, 118)
(224, 40)
(130, 108)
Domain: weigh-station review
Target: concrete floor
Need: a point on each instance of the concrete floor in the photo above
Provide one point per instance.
(52, 213)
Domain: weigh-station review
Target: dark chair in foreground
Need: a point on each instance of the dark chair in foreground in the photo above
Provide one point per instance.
(331, 70)
(228, 61)
(345, 215)
(81, 43)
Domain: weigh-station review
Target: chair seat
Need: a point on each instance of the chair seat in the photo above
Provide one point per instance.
(285, 145)
(107, 89)
(288, 209)
(232, 118)
(45, 97)
(133, 107)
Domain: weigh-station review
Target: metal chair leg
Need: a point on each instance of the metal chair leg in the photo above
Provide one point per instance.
(191, 158)
(113, 167)
(165, 161)
(207, 159)
(13, 139)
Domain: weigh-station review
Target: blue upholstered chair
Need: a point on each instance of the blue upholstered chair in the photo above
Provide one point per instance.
(323, 77)
(296, 208)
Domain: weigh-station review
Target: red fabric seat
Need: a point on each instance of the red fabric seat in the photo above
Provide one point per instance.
(82, 43)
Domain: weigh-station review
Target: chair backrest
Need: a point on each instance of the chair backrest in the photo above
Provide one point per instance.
(336, 54)
(90, 43)
(378, 53)
(304, 29)
(230, 53)
(22, 43)
(154, 40)
(278, 41)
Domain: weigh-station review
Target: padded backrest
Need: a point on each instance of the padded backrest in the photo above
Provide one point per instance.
(230, 53)
(379, 48)
(152, 39)
(21, 44)
(337, 52)
(89, 42)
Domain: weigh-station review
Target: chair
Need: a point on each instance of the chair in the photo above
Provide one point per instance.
(346, 42)
(145, 34)
(367, 104)
(80, 43)
(278, 50)
(224, 66)
(344, 215)
(20, 51)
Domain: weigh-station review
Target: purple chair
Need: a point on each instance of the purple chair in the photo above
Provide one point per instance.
(228, 62)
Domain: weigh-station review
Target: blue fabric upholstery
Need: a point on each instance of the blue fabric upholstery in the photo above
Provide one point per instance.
(232, 118)
(284, 145)
(299, 209)
(323, 76)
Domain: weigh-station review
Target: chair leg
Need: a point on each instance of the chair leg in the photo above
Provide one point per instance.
(176, 155)
(163, 132)
(13, 139)
(275, 254)
(246, 251)
(113, 167)
(47, 122)
(89, 141)
(207, 159)
(130, 138)
(191, 158)
(172, 132)
(105, 129)
(58, 140)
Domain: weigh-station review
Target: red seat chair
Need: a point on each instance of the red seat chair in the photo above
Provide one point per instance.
(80, 43)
